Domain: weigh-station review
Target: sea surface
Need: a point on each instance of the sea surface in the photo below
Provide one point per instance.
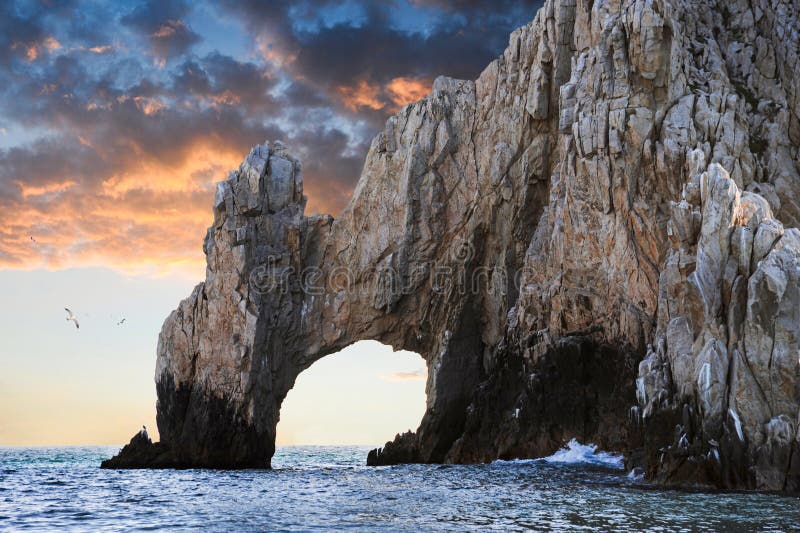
(329, 488)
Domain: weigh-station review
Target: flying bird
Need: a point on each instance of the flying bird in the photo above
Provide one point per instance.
(71, 318)
(121, 322)
(32, 239)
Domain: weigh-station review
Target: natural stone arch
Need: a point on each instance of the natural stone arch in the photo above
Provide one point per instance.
(419, 260)
(421, 228)
(620, 172)
(450, 197)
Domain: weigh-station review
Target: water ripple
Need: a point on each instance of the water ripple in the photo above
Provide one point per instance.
(324, 488)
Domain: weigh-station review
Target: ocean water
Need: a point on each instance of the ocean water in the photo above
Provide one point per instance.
(329, 488)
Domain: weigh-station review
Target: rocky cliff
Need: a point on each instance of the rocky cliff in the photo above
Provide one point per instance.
(595, 239)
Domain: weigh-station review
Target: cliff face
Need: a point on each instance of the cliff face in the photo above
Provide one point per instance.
(595, 239)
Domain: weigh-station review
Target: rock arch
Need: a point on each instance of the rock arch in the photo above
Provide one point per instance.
(283, 290)
(606, 181)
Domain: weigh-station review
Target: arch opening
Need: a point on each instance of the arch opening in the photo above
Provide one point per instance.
(362, 395)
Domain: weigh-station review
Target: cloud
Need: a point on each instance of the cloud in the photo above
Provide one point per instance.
(171, 39)
(33, 50)
(126, 176)
(139, 216)
(354, 59)
(116, 122)
(103, 49)
(390, 97)
(161, 22)
(221, 80)
(361, 95)
(416, 375)
(331, 167)
(136, 168)
(404, 90)
(18, 34)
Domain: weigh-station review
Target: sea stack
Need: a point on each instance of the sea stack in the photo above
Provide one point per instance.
(596, 239)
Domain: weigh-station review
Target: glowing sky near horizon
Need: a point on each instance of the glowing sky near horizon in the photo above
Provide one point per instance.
(115, 122)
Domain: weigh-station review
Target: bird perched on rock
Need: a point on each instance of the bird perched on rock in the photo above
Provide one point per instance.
(71, 318)
(143, 432)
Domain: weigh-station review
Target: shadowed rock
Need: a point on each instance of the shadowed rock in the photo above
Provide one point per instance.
(403, 449)
(140, 452)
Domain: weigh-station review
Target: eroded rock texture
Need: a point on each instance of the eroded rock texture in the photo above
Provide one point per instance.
(595, 239)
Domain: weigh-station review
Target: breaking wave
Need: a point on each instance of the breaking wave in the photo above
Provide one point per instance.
(576, 453)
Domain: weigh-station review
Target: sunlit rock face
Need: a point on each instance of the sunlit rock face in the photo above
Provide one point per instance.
(593, 240)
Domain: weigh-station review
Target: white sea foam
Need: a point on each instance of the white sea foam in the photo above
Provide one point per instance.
(576, 453)
(636, 474)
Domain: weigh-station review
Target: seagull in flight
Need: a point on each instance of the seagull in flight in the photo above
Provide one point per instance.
(119, 324)
(71, 318)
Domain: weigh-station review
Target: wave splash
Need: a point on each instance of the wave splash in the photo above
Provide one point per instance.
(576, 453)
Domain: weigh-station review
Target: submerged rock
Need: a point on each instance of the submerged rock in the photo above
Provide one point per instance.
(593, 240)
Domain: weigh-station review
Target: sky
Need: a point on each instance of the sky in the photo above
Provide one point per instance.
(116, 120)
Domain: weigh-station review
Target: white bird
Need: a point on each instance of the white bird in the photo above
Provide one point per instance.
(143, 432)
(71, 318)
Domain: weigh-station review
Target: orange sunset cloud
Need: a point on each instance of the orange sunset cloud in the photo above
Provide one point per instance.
(148, 217)
(361, 95)
(397, 93)
(32, 51)
(404, 90)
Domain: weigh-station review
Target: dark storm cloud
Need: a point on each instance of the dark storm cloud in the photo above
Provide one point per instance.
(27, 28)
(466, 36)
(148, 16)
(172, 38)
(301, 94)
(354, 60)
(88, 27)
(331, 166)
(100, 142)
(153, 115)
(17, 32)
(222, 79)
(503, 8)
(35, 163)
(162, 23)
